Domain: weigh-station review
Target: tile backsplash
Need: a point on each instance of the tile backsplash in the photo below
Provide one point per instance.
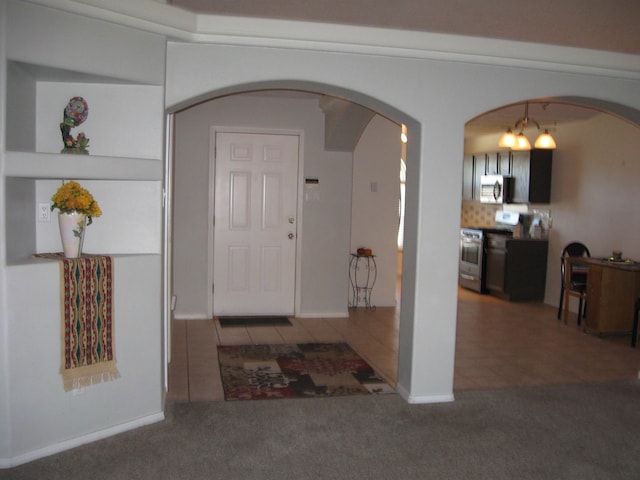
(475, 214)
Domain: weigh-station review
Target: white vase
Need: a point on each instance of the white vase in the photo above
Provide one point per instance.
(72, 227)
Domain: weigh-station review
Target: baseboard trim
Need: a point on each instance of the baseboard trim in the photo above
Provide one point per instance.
(79, 441)
(406, 395)
(343, 314)
(177, 316)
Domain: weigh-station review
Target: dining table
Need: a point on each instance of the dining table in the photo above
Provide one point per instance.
(613, 288)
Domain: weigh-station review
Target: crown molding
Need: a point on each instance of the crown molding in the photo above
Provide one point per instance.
(183, 26)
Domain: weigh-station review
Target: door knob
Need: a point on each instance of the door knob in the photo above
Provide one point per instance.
(291, 236)
(291, 220)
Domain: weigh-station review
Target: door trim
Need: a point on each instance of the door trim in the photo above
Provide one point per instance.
(167, 250)
(213, 130)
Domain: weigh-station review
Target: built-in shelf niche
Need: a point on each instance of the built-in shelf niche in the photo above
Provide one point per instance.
(129, 224)
(125, 131)
(120, 112)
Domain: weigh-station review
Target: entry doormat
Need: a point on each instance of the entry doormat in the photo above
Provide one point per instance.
(303, 370)
(256, 321)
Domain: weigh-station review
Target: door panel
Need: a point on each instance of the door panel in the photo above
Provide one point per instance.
(255, 224)
(238, 273)
(240, 200)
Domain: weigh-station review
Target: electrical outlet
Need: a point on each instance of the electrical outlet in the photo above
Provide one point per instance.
(44, 212)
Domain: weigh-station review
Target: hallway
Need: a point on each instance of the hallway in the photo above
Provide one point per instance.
(499, 344)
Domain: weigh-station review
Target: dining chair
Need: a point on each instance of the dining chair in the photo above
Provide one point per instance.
(577, 278)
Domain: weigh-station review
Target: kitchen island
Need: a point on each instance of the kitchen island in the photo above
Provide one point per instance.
(516, 268)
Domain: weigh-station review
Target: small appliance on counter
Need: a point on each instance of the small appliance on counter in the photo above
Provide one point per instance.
(531, 225)
(541, 223)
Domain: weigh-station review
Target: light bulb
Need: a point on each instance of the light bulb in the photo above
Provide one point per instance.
(522, 143)
(546, 141)
(507, 140)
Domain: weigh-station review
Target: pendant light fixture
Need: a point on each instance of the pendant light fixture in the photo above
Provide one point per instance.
(545, 141)
(508, 139)
(522, 143)
(519, 141)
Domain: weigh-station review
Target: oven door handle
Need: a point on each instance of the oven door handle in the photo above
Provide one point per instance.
(467, 277)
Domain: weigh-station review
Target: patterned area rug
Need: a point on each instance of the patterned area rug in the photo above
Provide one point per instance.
(303, 370)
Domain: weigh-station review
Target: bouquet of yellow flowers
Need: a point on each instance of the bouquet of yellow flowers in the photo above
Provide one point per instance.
(71, 197)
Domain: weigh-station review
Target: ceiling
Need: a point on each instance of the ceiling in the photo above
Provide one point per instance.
(610, 25)
(547, 114)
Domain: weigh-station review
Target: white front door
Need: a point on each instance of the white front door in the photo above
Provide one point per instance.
(255, 224)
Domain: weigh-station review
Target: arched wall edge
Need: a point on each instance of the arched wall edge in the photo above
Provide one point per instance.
(440, 96)
(413, 166)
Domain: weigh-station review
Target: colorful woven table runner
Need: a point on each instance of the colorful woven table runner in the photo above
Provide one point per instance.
(88, 350)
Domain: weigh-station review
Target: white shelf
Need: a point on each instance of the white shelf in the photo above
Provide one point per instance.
(38, 261)
(78, 166)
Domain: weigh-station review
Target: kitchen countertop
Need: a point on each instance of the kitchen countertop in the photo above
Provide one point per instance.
(630, 265)
(505, 232)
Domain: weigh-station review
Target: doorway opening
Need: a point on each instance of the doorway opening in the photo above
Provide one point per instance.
(324, 224)
(587, 189)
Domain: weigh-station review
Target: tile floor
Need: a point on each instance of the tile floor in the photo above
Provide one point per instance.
(499, 344)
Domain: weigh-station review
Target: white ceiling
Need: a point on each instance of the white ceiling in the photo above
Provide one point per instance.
(610, 25)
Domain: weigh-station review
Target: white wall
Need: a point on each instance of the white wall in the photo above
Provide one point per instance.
(131, 221)
(595, 192)
(374, 214)
(436, 99)
(119, 115)
(46, 419)
(5, 406)
(37, 417)
(324, 233)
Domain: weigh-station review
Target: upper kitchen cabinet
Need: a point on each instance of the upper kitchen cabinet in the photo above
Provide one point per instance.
(468, 175)
(497, 163)
(532, 175)
(478, 164)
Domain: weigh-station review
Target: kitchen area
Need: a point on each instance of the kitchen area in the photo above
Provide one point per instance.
(511, 244)
(503, 240)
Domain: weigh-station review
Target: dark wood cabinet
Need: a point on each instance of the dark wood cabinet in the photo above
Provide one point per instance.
(498, 163)
(468, 176)
(478, 164)
(496, 263)
(531, 171)
(517, 269)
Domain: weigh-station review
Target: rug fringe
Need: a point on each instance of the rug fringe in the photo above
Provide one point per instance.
(81, 377)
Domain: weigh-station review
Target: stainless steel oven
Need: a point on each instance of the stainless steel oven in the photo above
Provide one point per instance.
(471, 259)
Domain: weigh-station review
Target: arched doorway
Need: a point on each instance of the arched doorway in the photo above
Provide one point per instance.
(268, 109)
(594, 170)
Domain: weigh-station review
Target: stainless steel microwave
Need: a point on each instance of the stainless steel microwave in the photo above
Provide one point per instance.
(496, 189)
